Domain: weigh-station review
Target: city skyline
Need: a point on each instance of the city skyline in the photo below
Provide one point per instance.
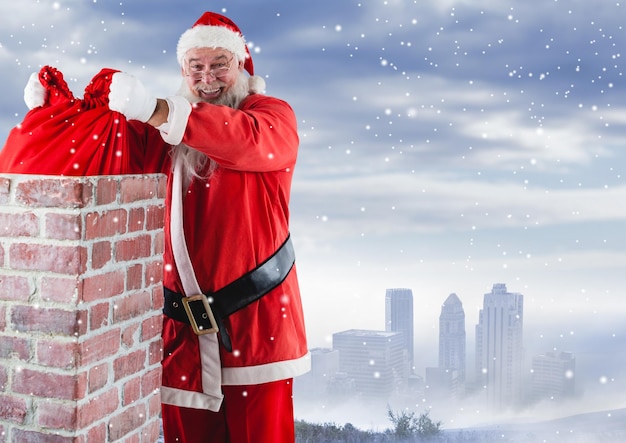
(453, 316)
(547, 383)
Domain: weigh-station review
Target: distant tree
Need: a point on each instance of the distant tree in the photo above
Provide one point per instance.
(426, 427)
(406, 425)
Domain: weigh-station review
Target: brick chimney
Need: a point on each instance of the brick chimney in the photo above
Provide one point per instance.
(80, 308)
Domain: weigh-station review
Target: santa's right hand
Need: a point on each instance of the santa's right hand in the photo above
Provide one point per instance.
(128, 96)
(34, 92)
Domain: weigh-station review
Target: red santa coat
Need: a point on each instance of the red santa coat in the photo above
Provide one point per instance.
(233, 222)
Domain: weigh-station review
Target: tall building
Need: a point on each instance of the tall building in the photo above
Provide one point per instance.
(499, 347)
(322, 376)
(399, 317)
(452, 337)
(442, 385)
(553, 376)
(375, 360)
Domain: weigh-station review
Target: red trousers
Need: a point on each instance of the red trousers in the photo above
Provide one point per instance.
(249, 414)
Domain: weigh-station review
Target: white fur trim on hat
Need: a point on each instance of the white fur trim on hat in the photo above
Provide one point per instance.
(203, 36)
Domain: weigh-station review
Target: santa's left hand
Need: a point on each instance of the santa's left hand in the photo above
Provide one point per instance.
(129, 96)
(34, 92)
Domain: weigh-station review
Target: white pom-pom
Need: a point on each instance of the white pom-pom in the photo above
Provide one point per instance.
(256, 84)
(34, 92)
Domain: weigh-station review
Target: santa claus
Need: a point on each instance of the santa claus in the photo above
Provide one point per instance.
(233, 328)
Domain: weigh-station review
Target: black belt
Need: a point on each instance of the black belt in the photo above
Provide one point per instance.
(205, 312)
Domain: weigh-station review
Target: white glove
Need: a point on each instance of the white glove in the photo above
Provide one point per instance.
(129, 96)
(34, 92)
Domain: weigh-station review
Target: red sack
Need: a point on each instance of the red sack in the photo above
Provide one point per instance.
(70, 136)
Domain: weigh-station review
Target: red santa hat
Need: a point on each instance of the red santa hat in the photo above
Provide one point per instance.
(214, 30)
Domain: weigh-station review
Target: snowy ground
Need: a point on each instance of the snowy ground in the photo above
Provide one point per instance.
(599, 427)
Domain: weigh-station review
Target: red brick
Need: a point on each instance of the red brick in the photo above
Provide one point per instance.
(157, 298)
(131, 391)
(151, 432)
(14, 347)
(99, 316)
(98, 377)
(56, 415)
(128, 335)
(155, 217)
(132, 438)
(162, 186)
(155, 352)
(13, 409)
(102, 286)
(107, 224)
(15, 288)
(98, 408)
(129, 364)
(133, 189)
(151, 327)
(31, 318)
(19, 225)
(63, 226)
(59, 289)
(132, 306)
(68, 260)
(2, 265)
(151, 382)
(127, 421)
(101, 254)
(24, 436)
(82, 321)
(106, 191)
(133, 248)
(134, 277)
(136, 219)
(100, 347)
(5, 187)
(57, 354)
(4, 378)
(159, 243)
(154, 405)
(54, 193)
(154, 272)
(98, 433)
(46, 384)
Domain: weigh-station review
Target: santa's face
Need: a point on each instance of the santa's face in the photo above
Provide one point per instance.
(210, 73)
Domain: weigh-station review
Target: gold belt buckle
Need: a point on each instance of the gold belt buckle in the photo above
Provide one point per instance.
(199, 330)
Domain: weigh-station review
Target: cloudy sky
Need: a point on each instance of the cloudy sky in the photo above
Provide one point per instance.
(445, 146)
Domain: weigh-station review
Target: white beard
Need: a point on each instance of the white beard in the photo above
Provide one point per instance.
(195, 162)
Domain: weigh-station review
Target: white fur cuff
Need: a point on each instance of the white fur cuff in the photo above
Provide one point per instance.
(173, 130)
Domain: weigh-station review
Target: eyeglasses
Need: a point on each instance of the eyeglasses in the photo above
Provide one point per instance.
(197, 71)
